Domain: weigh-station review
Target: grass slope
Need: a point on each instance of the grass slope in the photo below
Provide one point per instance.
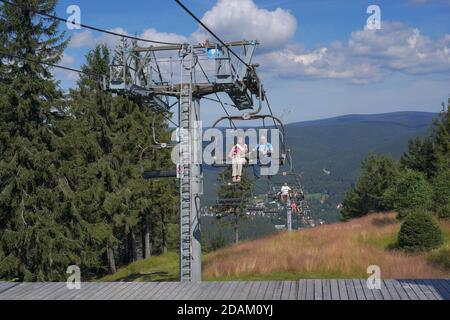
(342, 250)
(161, 268)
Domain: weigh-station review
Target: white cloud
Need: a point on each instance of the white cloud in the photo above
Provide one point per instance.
(368, 55)
(242, 20)
(86, 39)
(81, 40)
(402, 48)
(320, 63)
(67, 61)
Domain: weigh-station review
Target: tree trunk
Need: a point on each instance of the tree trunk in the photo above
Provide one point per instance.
(146, 240)
(164, 234)
(236, 230)
(111, 260)
(132, 252)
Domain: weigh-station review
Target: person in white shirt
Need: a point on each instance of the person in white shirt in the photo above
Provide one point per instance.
(285, 190)
(237, 155)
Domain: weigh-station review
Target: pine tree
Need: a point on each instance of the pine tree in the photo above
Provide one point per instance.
(378, 174)
(108, 137)
(36, 235)
(234, 198)
(431, 154)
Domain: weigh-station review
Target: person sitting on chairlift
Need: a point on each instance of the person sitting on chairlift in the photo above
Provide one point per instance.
(263, 152)
(285, 191)
(237, 155)
(294, 207)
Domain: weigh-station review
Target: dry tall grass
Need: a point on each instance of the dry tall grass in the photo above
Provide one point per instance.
(343, 250)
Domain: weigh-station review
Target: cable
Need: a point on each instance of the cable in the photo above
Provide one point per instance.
(270, 110)
(217, 96)
(3, 53)
(212, 33)
(67, 69)
(224, 103)
(88, 26)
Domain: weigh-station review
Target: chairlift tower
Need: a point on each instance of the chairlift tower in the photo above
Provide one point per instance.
(153, 76)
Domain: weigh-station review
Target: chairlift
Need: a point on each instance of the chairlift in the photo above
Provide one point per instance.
(156, 174)
(222, 163)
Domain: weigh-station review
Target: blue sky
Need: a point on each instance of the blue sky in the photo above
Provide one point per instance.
(317, 60)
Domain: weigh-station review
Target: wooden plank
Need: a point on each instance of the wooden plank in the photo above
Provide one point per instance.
(318, 290)
(196, 291)
(408, 289)
(16, 292)
(309, 290)
(77, 294)
(30, 290)
(181, 291)
(53, 292)
(262, 290)
(417, 290)
(224, 289)
(359, 290)
(45, 288)
(302, 286)
(140, 292)
(386, 291)
(369, 294)
(293, 292)
(246, 291)
(301, 290)
(437, 284)
(431, 289)
(278, 290)
(334, 290)
(227, 294)
(5, 286)
(111, 293)
(166, 291)
(343, 294)
(100, 291)
(377, 293)
(171, 287)
(215, 293)
(149, 295)
(131, 288)
(425, 289)
(130, 293)
(326, 287)
(204, 295)
(351, 290)
(103, 292)
(45, 292)
(254, 291)
(270, 291)
(206, 290)
(239, 293)
(400, 290)
(446, 284)
(289, 291)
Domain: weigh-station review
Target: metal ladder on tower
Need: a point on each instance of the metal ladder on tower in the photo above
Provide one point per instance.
(185, 187)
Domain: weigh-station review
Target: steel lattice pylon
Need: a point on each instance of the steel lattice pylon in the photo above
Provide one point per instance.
(149, 76)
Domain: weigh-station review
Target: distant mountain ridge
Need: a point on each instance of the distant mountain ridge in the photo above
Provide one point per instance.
(408, 118)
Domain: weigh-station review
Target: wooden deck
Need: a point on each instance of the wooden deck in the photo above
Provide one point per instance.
(277, 290)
